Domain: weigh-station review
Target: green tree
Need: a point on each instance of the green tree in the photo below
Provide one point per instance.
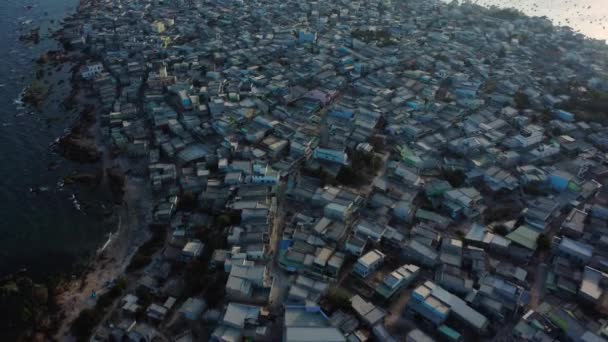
(522, 101)
(348, 176)
(339, 298)
(83, 325)
(501, 230)
(543, 242)
(456, 178)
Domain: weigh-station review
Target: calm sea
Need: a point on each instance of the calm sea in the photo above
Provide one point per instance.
(43, 232)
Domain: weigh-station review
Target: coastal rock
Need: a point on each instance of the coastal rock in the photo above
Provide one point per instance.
(79, 149)
(78, 145)
(24, 307)
(83, 178)
(32, 36)
(117, 182)
(57, 56)
(40, 294)
(36, 93)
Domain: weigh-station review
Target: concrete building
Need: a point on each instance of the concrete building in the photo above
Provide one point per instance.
(436, 304)
(330, 155)
(192, 250)
(308, 324)
(368, 263)
(397, 280)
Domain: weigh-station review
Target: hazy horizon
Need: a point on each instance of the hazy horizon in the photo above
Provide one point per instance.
(589, 17)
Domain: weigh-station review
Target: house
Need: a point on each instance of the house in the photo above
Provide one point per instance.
(257, 215)
(498, 297)
(529, 136)
(454, 279)
(599, 211)
(547, 321)
(129, 304)
(564, 115)
(321, 259)
(306, 37)
(192, 309)
(245, 278)
(158, 26)
(330, 230)
(463, 201)
(416, 335)
(403, 211)
(469, 146)
(193, 153)
(436, 188)
(233, 178)
(308, 324)
(408, 176)
(156, 312)
(192, 250)
(334, 264)
(560, 180)
(435, 304)
(239, 320)
(355, 245)
(368, 263)
(475, 258)
(574, 224)
(449, 334)
(477, 235)
(369, 230)
(540, 212)
(529, 174)
(331, 155)
(338, 212)
(591, 288)
(432, 218)
(367, 312)
(266, 177)
(451, 252)
(305, 290)
(419, 253)
(91, 71)
(397, 280)
(545, 151)
(524, 236)
(574, 250)
(498, 179)
(381, 334)
(135, 331)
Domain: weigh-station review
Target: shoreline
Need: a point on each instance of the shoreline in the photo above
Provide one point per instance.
(68, 291)
(109, 261)
(107, 266)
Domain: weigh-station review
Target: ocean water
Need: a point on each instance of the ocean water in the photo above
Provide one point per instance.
(43, 232)
(589, 17)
